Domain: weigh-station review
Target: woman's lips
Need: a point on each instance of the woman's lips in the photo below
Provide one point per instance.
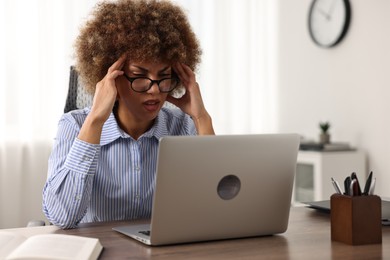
(152, 105)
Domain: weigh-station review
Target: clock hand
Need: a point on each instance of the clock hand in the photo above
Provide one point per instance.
(331, 9)
(325, 14)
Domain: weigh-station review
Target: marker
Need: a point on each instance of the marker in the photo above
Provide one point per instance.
(352, 188)
(357, 190)
(347, 184)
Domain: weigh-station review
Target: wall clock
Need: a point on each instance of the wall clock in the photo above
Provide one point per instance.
(329, 21)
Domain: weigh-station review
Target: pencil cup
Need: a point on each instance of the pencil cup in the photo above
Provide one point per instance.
(356, 220)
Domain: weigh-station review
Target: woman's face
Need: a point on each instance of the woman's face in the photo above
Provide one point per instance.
(142, 106)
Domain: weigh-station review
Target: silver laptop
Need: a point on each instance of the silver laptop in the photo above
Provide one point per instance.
(220, 187)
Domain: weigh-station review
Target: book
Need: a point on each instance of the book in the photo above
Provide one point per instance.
(313, 146)
(337, 147)
(48, 246)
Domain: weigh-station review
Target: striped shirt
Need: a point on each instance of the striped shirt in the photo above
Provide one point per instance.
(113, 180)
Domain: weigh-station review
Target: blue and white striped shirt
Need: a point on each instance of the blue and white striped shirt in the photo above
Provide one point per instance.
(113, 180)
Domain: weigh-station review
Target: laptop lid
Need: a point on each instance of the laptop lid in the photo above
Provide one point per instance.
(221, 187)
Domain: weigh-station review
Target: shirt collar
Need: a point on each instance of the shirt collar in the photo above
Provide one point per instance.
(159, 128)
(111, 130)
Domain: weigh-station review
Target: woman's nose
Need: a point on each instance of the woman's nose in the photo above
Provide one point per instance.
(154, 88)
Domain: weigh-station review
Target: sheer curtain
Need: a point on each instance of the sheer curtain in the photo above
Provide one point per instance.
(237, 74)
(35, 55)
(236, 77)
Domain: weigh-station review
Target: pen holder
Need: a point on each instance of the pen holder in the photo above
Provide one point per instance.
(356, 220)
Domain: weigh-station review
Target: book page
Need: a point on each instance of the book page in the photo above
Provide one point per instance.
(8, 242)
(56, 246)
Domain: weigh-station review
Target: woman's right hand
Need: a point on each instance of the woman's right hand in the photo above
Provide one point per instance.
(106, 92)
(103, 103)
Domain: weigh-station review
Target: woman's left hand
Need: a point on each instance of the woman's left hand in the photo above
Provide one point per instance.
(191, 102)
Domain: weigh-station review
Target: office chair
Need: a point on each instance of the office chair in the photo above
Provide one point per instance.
(77, 97)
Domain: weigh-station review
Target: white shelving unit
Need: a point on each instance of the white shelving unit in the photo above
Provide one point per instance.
(315, 169)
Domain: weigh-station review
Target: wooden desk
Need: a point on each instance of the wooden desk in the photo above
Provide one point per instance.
(307, 237)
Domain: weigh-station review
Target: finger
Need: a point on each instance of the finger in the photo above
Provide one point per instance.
(177, 68)
(187, 70)
(186, 75)
(173, 100)
(115, 74)
(118, 64)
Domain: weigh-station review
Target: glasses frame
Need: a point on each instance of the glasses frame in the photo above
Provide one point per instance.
(131, 79)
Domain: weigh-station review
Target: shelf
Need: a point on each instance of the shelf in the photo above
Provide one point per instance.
(315, 168)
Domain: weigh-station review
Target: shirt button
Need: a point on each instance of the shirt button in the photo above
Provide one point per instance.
(87, 158)
(137, 168)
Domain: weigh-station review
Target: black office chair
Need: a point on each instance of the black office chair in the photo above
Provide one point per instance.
(77, 97)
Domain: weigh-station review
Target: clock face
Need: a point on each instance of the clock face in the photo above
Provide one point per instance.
(329, 21)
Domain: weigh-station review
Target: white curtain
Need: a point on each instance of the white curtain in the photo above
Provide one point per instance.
(236, 77)
(35, 55)
(238, 67)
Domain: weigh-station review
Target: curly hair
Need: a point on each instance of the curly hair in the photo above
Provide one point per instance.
(144, 30)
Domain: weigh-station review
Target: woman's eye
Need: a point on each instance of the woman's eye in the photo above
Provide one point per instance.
(136, 74)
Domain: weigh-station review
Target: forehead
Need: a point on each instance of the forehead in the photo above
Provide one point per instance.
(149, 66)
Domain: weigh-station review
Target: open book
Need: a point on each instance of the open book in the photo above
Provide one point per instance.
(48, 246)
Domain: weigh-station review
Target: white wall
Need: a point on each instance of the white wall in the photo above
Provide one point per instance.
(347, 85)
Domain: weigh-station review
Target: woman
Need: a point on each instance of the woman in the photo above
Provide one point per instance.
(133, 55)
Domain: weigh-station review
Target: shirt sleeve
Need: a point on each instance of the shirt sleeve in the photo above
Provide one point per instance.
(71, 169)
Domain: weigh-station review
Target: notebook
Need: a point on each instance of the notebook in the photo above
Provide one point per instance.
(220, 187)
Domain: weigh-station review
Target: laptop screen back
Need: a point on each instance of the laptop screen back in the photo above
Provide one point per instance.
(219, 187)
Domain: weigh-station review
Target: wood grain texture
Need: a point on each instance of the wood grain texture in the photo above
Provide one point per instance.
(307, 237)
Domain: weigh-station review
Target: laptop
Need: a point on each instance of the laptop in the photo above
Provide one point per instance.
(220, 187)
(324, 205)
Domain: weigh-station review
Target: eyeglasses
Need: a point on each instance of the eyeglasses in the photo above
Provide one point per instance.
(143, 84)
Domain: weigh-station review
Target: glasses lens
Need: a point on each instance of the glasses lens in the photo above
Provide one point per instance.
(141, 84)
(167, 85)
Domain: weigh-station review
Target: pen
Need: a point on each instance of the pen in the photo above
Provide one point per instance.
(368, 184)
(336, 186)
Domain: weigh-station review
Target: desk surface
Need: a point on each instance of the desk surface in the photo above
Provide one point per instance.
(307, 237)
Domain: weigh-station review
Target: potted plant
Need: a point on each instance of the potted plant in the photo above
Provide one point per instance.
(324, 135)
